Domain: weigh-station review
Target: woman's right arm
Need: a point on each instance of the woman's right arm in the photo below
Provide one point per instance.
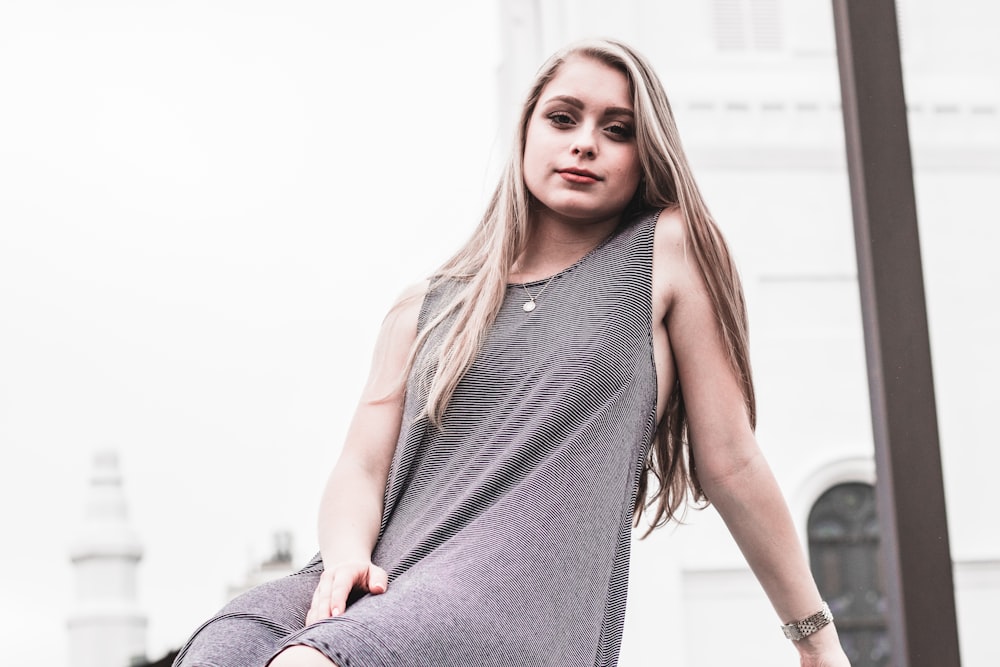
(351, 509)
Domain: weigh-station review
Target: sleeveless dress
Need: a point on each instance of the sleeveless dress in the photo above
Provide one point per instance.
(506, 533)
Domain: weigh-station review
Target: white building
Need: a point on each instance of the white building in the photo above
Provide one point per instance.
(106, 626)
(755, 89)
(279, 563)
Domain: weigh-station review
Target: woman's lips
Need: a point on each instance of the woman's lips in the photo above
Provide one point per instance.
(579, 176)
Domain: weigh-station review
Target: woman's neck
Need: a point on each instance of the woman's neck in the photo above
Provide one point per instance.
(554, 245)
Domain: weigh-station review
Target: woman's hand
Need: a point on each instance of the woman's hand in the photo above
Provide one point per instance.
(337, 582)
(822, 649)
(835, 659)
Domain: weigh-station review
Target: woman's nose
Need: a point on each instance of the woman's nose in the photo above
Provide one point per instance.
(584, 149)
(584, 143)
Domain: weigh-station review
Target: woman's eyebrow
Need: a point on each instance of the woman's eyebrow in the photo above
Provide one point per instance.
(619, 111)
(578, 103)
(568, 99)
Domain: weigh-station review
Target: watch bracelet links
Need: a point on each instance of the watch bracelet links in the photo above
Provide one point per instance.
(797, 630)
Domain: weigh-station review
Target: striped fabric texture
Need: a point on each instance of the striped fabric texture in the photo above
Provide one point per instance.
(506, 533)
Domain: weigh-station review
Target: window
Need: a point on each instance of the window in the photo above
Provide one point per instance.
(844, 554)
(747, 25)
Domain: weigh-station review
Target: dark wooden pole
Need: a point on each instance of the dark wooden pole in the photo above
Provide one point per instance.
(909, 491)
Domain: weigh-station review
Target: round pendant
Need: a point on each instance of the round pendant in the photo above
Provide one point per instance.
(528, 306)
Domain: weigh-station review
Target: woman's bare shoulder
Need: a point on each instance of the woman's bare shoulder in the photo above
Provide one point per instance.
(671, 234)
(413, 294)
(405, 311)
(675, 272)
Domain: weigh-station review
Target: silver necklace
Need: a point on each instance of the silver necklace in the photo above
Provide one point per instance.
(530, 304)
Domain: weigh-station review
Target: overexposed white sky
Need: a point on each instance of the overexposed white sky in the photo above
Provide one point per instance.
(205, 209)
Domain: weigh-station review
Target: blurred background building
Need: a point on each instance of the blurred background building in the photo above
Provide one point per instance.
(107, 627)
(107, 624)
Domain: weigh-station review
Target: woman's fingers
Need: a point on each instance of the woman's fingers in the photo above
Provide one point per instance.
(344, 580)
(335, 585)
(320, 607)
(378, 580)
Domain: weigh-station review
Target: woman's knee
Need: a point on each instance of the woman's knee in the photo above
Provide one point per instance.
(301, 656)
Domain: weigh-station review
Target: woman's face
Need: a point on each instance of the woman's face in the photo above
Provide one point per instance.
(580, 156)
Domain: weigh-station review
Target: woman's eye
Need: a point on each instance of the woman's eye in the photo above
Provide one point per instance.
(559, 118)
(620, 131)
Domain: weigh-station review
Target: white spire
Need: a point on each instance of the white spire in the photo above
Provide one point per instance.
(106, 628)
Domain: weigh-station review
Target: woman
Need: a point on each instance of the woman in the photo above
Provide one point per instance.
(589, 335)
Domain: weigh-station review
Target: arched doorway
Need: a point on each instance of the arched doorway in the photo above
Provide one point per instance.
(844, 541)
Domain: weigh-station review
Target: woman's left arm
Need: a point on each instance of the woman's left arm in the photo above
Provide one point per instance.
(731, 467)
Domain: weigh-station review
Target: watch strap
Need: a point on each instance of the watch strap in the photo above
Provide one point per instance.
(797, 630)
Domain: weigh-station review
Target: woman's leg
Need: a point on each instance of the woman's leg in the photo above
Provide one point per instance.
(248, 630)
(301, 656)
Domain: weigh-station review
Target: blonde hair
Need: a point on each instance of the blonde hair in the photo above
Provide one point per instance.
(482, 266)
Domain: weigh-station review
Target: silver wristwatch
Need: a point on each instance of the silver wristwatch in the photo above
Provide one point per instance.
(797, 630)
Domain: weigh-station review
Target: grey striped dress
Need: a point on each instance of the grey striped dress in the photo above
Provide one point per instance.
(506, 533)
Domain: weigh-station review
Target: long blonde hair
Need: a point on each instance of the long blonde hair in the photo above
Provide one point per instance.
(482, 266)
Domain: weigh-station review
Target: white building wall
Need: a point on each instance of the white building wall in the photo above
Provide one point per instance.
(755, 89)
